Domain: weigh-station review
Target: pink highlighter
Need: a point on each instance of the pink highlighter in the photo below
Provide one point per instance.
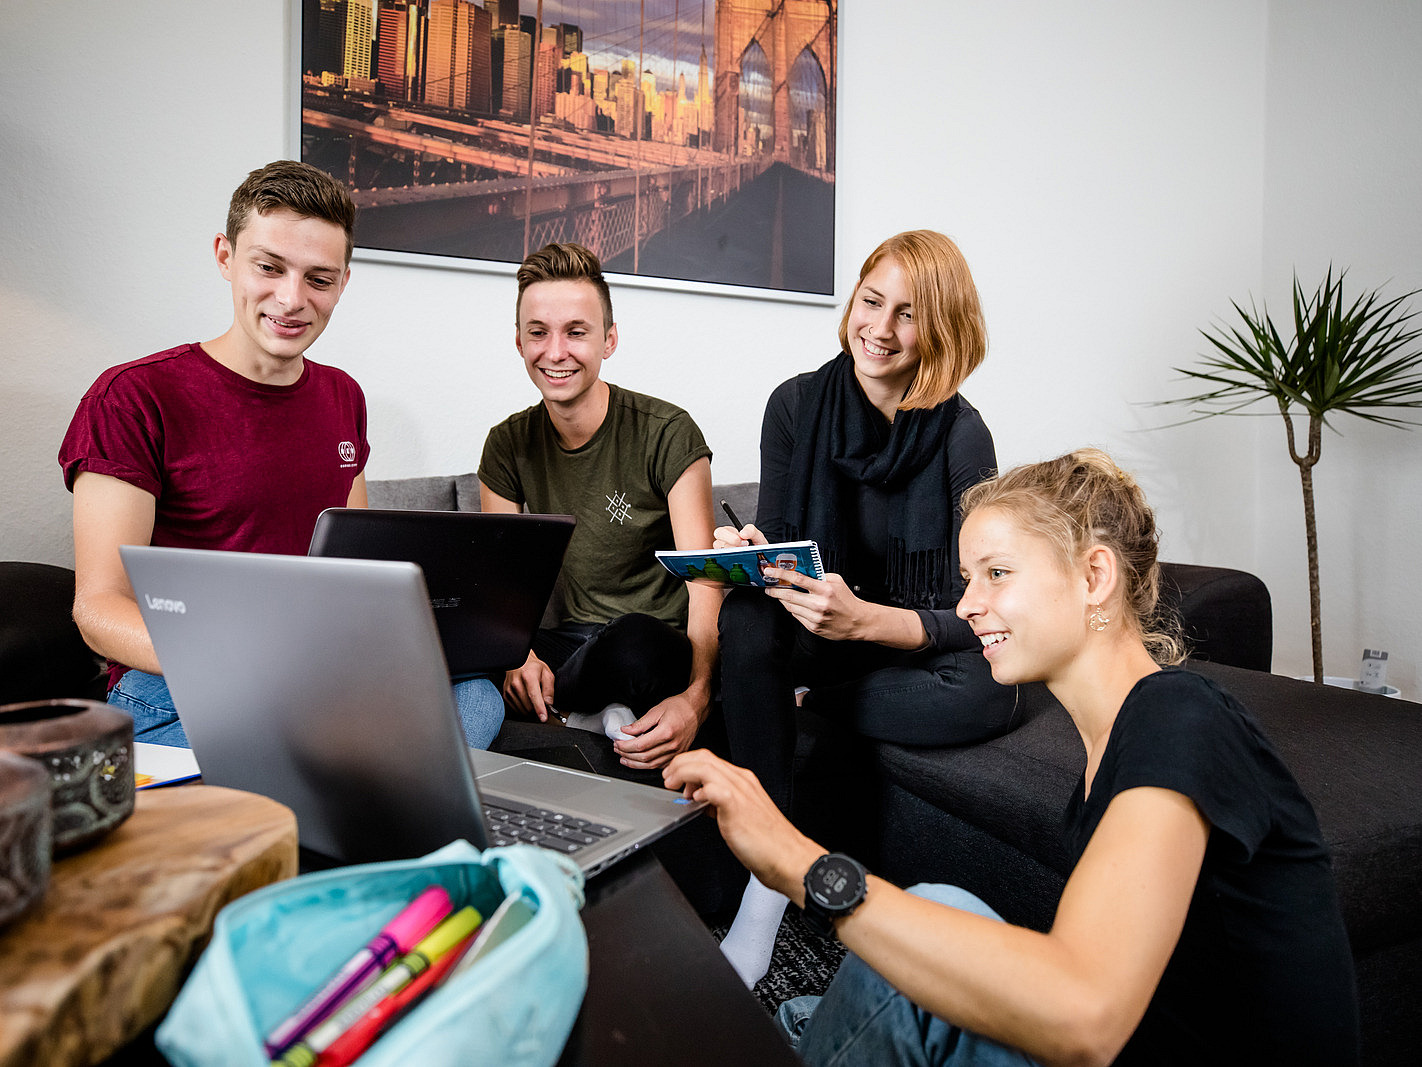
(395, 939)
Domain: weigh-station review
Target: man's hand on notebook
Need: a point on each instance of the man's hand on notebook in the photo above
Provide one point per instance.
(530, 688)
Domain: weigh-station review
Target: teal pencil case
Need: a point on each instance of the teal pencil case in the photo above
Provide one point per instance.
(273, 948)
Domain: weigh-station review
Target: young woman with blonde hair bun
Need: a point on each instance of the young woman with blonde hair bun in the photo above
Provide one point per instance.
(1200, 924)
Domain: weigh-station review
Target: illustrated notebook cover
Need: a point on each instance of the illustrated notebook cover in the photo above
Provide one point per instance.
(743, 566)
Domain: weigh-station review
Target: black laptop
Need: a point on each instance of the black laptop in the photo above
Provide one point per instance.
(489, 575)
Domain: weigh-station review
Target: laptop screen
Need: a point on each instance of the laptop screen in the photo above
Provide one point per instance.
(489, 575)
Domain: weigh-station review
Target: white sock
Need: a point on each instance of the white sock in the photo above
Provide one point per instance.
(610, 721)
(751, 939)
(614, 718)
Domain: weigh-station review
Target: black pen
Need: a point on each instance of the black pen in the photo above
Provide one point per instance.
(732, 516)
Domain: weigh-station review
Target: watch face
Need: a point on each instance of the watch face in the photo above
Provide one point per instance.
(834, 882)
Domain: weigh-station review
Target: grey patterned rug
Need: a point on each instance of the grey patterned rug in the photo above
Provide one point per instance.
(802, 962)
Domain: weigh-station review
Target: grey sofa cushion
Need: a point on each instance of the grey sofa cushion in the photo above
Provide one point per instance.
(742, 496)
(435, 493)
(1227, 614)
(466, 492)
(1015, 787)
(460, 492)
(1359, 760)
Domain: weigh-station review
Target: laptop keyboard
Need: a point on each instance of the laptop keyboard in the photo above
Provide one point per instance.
(514, 823)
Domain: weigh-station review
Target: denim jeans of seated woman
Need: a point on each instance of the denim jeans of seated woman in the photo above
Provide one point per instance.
(863, 1019)
(145, 698)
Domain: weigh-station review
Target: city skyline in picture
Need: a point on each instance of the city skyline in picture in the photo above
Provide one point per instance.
(681, 139)
(671, 38)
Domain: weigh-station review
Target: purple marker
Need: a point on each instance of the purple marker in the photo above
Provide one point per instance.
(398, 936)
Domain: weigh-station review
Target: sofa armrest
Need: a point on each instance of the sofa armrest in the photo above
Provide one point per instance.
(42, 655)
(1226, 615)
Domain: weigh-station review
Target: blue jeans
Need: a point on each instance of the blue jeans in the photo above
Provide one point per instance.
(481, 710)
(863, 1019)
(145, 698)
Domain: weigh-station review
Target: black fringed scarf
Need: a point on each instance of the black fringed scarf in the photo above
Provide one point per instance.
(839, 444)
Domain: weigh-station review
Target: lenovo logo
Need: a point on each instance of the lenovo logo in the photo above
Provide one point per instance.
(158, 603)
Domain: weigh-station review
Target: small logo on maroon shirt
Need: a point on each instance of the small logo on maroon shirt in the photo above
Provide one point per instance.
(347, 450)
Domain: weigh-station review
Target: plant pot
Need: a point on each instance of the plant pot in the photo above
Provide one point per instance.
(87, 748)
(24, 834)
(1352, 683)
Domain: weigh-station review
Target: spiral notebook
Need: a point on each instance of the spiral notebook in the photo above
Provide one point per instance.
(744, 565)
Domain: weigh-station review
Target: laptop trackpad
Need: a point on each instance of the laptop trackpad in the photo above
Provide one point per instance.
(541, 784)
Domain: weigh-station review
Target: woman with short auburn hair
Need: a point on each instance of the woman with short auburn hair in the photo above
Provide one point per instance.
(868, 457)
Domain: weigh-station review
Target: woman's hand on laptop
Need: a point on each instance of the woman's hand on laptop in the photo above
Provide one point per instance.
(530, 688)
(760, 836)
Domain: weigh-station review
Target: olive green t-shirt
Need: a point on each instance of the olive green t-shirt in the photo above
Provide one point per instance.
(616, 486)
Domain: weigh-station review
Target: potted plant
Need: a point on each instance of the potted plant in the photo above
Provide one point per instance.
(1344, 359)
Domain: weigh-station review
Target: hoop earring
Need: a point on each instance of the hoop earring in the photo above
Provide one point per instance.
(1098, 620)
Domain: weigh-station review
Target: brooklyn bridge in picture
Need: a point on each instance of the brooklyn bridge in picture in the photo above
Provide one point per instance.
(680, 139)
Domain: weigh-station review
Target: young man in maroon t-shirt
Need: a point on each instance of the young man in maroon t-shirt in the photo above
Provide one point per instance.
(237, 443)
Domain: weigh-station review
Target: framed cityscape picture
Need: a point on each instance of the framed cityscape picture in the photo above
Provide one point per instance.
(689, 143)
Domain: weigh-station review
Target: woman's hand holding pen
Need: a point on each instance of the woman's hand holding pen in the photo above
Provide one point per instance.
(731, 537)
(738, 535)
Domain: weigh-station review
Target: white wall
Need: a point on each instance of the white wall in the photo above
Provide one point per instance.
(1343, 184)
(1103, 166)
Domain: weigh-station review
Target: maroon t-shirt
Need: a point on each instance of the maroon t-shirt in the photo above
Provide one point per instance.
(233, 464)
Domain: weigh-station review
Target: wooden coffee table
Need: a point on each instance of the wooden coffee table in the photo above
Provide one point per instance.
(102, 959)
(106, 951)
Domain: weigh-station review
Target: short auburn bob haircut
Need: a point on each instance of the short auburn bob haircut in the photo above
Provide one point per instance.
(952, 336)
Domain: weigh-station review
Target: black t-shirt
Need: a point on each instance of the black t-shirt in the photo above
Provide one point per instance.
(1262, 973)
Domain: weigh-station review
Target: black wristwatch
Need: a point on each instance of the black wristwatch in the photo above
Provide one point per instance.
(834, 887)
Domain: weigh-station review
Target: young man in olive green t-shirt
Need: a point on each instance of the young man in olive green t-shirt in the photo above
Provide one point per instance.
(636, 472)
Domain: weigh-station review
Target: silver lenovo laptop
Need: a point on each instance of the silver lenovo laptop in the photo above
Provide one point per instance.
(488, 575)
(320, 683)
